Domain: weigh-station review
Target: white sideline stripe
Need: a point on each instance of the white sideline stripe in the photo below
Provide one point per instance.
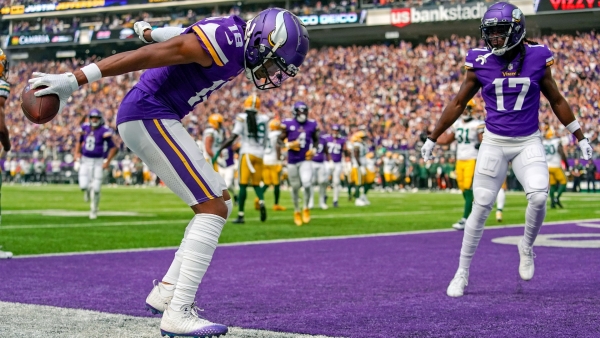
(30, 320)
(280, 218)
(307, 239)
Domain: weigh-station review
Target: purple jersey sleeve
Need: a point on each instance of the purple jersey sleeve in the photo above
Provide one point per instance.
(219, 37)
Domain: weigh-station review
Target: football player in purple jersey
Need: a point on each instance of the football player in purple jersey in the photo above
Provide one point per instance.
(95, 140)
(302, 135)
(336, 147)
(320, 173)
(184, 68)
(511, 73)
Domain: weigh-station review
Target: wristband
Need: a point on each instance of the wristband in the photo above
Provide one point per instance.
(92, 72)
(573, 126)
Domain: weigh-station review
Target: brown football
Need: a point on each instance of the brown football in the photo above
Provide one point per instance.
(39, 109)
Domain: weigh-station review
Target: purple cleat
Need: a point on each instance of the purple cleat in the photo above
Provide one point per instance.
(187, 323)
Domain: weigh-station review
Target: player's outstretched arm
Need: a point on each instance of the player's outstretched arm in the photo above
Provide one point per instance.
(4, 137)
(452, 112)
(183, 49)
(563, 111)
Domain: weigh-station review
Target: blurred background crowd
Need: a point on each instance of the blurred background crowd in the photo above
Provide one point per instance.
(396, 91)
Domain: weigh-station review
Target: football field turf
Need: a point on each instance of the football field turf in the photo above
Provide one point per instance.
(53, 219)
(377, 271)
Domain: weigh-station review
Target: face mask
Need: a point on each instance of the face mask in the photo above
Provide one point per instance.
(301, 118)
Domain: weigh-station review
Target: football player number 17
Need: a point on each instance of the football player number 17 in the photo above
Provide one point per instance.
(512, 83)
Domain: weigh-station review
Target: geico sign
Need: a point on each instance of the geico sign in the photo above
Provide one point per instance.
(329, 19)
(405, 16)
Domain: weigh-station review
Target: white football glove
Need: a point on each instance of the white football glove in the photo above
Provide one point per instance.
(427, 149)
(586, 149)
(62, 85)
(139, 28)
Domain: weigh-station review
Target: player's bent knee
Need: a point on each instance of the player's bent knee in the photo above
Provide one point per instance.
(215, 206)
(537, 199)
(484, 197)
(539, 182)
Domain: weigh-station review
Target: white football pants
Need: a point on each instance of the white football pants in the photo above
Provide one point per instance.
(531, 169)
(90, 173)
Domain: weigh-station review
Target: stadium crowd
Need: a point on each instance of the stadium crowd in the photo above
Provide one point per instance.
(395, 91)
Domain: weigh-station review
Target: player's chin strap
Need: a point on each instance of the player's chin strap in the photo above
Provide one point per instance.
(500, 51)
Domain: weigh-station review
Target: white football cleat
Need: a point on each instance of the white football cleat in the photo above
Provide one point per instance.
(159, 298)
(5, 254)
(365, 199)
(324, 206)
(458, 283)
(93, 214)
(526, 267)
(359, 202)
(460, 225)
(187, 323)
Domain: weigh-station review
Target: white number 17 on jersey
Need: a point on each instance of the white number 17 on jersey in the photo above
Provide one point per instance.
(512, 83)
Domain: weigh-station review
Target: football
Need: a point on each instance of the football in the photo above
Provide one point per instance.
(39, 109)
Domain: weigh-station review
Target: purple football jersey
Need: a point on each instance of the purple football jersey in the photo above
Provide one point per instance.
(511, 101)
(303, 132)
(172, 92)
(95, 143)
(320, 155)
(335, 146)
(228, 155)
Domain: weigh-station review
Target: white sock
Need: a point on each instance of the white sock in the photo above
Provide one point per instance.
(173, 273)
(307, 196)
(500, 199)
(200, 245)
(336, 192)
(296, 198)
(311, 201)
(472, 235)
(534, 216)
(322, 192)
(229, 204)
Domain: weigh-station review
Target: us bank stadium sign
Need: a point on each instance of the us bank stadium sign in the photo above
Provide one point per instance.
(402, 17)
(566, 5)
(334, 19)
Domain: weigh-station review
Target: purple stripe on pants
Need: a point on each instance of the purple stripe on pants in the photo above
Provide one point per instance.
(184, 174)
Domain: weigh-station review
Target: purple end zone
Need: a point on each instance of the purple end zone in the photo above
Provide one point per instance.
(363, 287)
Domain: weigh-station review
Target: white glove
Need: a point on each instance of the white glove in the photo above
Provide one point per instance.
(586, 149)
(139, 28)
(427, 149)
(363, 171)
(62, 85)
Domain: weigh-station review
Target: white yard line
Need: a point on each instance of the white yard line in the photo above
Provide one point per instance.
(293, 240)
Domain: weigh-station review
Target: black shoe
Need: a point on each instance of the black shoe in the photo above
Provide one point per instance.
(239, 220)
(558, 203)
(552, 204)
(263, 212)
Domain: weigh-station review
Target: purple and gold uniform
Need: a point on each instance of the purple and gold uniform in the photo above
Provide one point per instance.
(511, 101)
(335, 145)
(155, 106)
(96, 142)
(301, 132)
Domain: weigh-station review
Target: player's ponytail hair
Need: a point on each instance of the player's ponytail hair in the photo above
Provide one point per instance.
(522, 57)
(251, 122)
